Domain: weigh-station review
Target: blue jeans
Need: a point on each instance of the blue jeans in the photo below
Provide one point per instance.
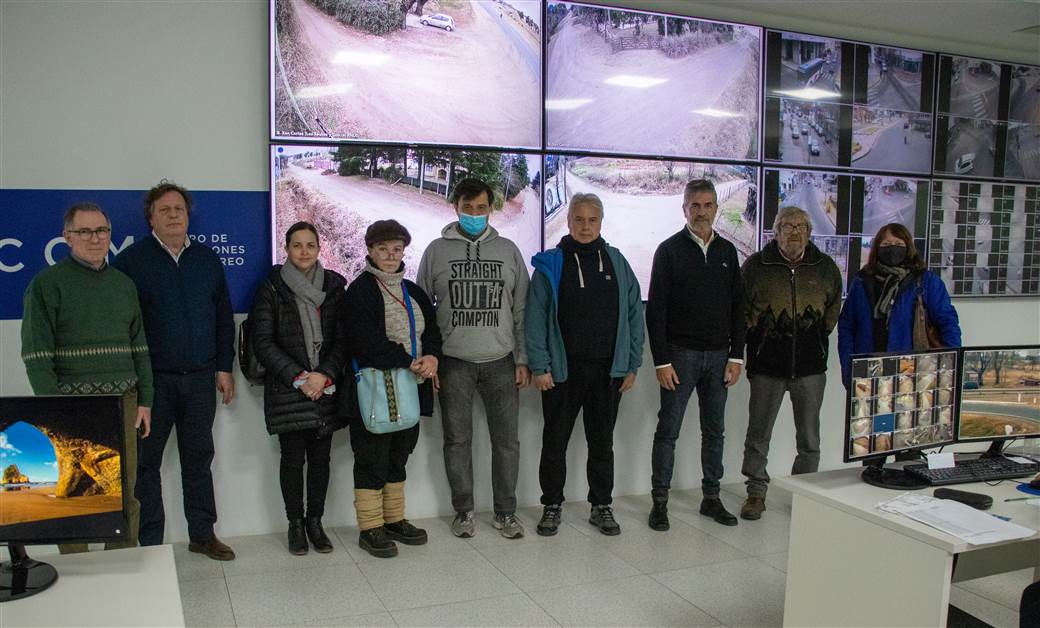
(703, 371)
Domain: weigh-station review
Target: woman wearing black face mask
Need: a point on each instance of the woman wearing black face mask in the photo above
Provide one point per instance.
(878, 314)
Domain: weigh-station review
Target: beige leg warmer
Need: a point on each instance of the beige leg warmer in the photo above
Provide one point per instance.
(369, 506)
(393, 502)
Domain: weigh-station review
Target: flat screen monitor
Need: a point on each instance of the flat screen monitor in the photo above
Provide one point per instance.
(1000, 393)
(900, 402)
(638, 83)
(984, 238)
(343, 189)
(642, 202)
(459, 73)
(63, 470)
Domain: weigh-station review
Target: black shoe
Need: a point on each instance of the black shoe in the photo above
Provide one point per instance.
(404, 532)
(376, 543)
(317, 535)
(712, 507)
(659, 513)
(603, 518)
(550, 522)
(297, 538)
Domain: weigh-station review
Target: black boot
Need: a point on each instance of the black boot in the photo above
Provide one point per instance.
(317, 535)
(297, 538)
(404, 532)
(376, 543)
(659, 513)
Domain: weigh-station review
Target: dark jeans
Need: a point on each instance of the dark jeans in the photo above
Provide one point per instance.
(187, 402)
(495, 382)
(589, 387)
(297, 448)
(703, 371)
(766, 395)
(380, 458)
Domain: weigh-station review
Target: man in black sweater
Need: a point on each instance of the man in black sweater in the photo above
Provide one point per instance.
(696, 328)
(191, 333)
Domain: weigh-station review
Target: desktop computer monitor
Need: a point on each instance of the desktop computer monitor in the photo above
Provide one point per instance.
(897, 403)
(999, 394)
(63, 480)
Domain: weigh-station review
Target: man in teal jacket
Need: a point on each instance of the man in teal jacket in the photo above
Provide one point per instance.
(584, 335)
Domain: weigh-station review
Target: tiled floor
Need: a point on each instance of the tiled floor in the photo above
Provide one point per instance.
(697, 574)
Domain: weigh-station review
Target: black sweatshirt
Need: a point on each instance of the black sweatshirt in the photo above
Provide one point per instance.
(695, 302)
(588, 303)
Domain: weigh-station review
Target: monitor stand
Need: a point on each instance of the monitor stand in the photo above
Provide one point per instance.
(996, 449)
(22, 576)
(875, 474)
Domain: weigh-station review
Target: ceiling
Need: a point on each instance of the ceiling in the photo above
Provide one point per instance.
(1000, 29)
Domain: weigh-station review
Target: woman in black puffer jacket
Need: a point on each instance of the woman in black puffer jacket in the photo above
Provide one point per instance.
(298, 335)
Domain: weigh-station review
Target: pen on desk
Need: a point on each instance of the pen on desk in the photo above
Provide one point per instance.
(1021, 499)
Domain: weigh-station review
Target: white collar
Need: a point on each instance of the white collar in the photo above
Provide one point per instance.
(176, 256)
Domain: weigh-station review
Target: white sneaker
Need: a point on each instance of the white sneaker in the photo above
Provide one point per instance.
(508, 526)
(463, 526)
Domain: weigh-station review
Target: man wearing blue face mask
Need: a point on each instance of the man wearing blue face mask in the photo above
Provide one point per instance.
(478, 281)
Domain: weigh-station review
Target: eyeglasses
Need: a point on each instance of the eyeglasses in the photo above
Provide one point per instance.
(102, 233)
(799, 228)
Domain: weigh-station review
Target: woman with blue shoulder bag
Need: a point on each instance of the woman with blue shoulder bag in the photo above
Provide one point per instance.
(396, 344)
(298, 338)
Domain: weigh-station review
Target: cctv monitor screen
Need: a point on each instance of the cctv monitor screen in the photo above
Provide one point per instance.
(437, 72)
(1000, 393)
(984, 238)
(638, 83)
(63, 469)
(343, 189)
(643, 199)
(900, 402)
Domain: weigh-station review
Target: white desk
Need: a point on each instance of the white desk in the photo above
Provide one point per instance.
(850, 564)
(127, 587)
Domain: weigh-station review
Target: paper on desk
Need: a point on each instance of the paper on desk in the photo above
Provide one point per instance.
(954, 518)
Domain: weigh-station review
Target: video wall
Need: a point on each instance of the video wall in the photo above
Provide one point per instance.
(378, 108)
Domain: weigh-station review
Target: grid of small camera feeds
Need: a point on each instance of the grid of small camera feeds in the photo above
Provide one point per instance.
(900, 402)
(985, 237)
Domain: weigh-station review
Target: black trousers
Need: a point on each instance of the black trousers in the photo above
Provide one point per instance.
(187, 402)
(589, 387)
(380, 458)
(299, 447)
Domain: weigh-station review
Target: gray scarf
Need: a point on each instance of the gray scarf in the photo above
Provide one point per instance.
(891, 278)
(307, 288)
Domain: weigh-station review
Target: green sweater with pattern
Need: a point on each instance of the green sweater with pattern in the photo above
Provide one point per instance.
(82, 333)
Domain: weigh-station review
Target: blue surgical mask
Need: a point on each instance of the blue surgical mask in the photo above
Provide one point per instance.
(473, 225)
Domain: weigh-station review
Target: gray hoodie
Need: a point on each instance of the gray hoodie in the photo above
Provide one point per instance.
(479, 288)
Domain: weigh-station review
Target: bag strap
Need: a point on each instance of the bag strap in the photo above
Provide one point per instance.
(411, 316)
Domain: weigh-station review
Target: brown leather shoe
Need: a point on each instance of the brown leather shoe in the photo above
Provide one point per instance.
(752, 508)
(212, 548)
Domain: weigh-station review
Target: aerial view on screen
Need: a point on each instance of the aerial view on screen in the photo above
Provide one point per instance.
(645, 83)
(888, 139)
(1000, 393)
(808, 132)
(344, 189)
(970, 146)
(974, 88)
(810, 67)
(642, 202)
(895, 77)
(890, 199)
(429, 71)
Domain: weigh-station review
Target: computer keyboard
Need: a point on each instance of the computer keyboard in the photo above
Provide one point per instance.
(974, 470)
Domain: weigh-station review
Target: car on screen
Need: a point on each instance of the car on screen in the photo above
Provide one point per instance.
(439, 20)
(814, 147)
(965, 163)
(794, 132)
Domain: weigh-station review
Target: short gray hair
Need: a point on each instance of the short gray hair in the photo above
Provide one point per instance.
(585, 199)
(787, 212)
(699, 185)
(70, 214)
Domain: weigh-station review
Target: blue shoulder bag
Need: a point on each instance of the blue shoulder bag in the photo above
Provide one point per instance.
(389, 398)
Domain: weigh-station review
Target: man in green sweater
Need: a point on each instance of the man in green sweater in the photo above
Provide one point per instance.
(82, 334)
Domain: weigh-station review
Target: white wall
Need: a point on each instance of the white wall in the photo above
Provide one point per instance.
(113, 95)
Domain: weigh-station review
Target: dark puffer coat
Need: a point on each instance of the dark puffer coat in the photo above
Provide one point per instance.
(279, 346)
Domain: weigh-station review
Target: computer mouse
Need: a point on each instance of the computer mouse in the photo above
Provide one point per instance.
(1035, 483)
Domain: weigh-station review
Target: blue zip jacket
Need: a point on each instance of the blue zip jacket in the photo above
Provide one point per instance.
(545, 348)
(856, 322)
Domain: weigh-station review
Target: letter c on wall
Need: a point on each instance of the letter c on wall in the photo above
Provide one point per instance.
(5, 267)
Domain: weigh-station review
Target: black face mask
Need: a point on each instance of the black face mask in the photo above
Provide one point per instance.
(892, 255)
